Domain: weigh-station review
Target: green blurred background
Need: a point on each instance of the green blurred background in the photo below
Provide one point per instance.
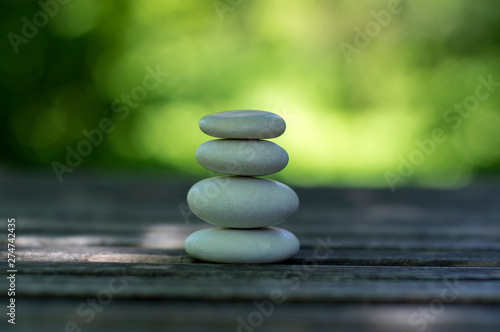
(362, 85)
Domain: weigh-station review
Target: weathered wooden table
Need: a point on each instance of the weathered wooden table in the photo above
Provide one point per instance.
(98, 254)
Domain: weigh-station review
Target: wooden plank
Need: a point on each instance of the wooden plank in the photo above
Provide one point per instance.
(122, 315)
(390, 255)
(336, 256)
(208, 271)
(295, 288)
(175, 240)
(354, 228)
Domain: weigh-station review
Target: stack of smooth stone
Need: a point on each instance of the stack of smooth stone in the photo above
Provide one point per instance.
(245, 207)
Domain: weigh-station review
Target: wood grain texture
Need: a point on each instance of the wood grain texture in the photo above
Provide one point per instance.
(370, 260)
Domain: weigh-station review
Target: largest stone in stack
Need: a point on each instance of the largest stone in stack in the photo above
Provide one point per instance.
(243, 206)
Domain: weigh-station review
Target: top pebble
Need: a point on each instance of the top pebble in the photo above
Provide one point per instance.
(245, 124)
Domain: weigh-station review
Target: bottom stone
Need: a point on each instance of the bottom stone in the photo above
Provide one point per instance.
(228, 245)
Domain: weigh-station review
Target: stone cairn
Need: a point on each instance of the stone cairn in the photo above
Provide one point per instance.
(242, 205)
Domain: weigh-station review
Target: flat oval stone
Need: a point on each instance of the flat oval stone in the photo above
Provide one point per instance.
(246, 124)
(242, 157)
(242, 202)
(228, 245)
